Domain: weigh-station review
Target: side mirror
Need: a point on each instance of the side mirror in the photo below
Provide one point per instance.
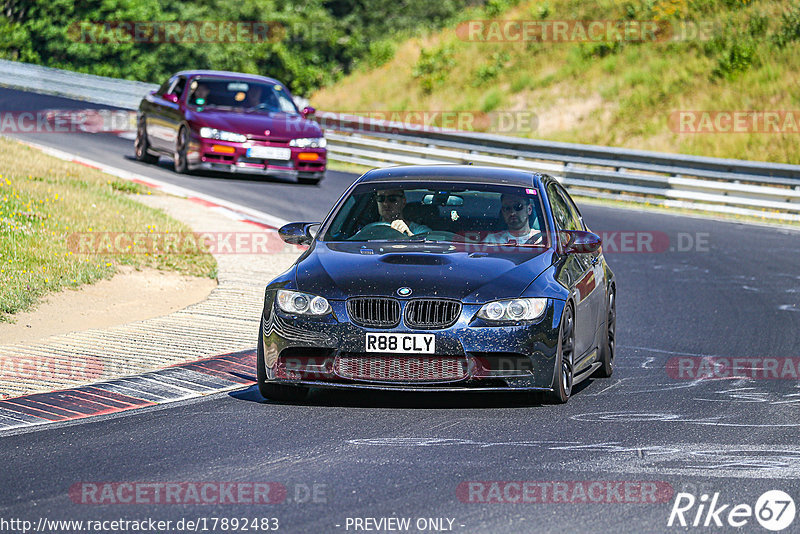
(171, 97)
(308, 111)
(298, 233)
(579, 242)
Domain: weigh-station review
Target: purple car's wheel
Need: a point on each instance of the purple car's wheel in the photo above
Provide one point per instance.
(562, 386)
(181, 145)
(140, 145)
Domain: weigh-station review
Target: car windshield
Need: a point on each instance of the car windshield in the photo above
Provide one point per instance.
(445, 213)
(240, 95)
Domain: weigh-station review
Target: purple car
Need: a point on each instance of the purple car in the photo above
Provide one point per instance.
(230, 122)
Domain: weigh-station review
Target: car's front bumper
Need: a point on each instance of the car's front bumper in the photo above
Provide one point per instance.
(277, 172)
(304, 351)
(226, 156)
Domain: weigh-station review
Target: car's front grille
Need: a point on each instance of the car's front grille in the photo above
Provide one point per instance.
(374, 312)
(269, 140)
(261, 161)
(432, 313)
(400, 367)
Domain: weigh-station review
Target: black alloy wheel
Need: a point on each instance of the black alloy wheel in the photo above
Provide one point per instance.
(562, 386)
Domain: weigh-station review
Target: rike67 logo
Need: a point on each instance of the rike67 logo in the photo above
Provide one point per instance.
(774, 510)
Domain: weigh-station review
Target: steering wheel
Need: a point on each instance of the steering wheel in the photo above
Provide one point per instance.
(535, 239)
(377, 230)
(266, 105)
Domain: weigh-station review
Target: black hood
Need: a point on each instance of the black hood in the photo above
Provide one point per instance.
(341, 270)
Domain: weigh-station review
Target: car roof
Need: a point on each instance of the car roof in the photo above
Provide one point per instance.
(227, 74)
(454, 173)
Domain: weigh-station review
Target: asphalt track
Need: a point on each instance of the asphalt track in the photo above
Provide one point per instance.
(734, 291)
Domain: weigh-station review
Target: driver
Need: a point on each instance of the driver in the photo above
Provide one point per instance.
(258, 97)
(253, 96)
(516, 211)
(390, 208)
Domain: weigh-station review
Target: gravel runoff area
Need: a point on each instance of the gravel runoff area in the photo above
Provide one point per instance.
(227, 321)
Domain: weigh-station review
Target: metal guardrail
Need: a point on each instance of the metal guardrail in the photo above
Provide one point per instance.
(124, 94)
(741, 187)
(768, 190)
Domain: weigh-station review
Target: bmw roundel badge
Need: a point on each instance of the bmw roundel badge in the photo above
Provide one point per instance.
(404, 291)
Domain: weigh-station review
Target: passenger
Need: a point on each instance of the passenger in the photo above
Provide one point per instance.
(200, 94)
(390, 208)
(253, 96)
(516, 211)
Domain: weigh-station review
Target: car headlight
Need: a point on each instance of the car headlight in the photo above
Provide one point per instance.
(302, 303)
(513, 310)
(222, 135)
(309, 142)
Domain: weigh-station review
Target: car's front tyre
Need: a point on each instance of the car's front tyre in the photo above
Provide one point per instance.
(269, 390)
(562, 383)
(140, 144)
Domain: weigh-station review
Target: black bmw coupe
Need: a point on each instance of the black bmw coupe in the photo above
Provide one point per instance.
(441, 278)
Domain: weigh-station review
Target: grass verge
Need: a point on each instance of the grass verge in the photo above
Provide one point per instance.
(719, 56)
(43, 200)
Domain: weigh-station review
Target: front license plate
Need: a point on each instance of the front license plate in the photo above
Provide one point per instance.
(269, 152)
(401, 343)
